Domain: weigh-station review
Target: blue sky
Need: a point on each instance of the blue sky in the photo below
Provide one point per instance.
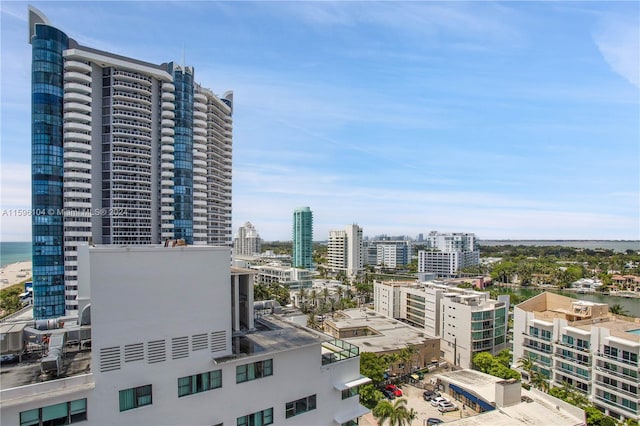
(510, 120)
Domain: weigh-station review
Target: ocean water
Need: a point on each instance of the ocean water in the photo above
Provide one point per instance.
(615, 245)
(11, 252)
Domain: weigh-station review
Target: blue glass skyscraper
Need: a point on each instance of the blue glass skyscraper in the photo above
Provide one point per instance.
(47, 169)
(183, 152)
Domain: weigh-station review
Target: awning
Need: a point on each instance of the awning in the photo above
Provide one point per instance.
(351, 414)
(362, 380)
(415, 377)
(473, 398)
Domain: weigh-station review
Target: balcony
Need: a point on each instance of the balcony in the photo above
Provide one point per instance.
(617, 359)
(338, 350)
(574, 360)
(537, 348)
(628, 394)
(617, 374)
(608, 404)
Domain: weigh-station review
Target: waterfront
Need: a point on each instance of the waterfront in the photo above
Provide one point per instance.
(12, 252)
(615, 245)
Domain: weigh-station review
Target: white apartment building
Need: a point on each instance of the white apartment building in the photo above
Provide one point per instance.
(580, 343)
(174, 341)
(467, 321)
(392, 253)
(288, 276)
(450, 242)
(247, 241)
(345, 250)
(446, 264)
(448, 253)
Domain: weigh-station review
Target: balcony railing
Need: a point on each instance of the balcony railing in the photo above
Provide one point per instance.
(618, 359)
(572, 359)
(338, 350)
(537, 348)
(634, 396)
(608, 402)
(616, 373)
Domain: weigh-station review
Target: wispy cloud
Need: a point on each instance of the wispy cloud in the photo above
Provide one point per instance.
(619, 42)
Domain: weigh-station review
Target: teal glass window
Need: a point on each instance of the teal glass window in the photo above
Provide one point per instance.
(135, 397)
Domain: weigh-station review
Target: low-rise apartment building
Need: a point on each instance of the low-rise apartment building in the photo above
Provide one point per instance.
(168, 336)
(467, 321)
(580, 343)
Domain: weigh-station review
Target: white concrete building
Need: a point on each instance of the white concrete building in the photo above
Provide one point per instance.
(174, 341)
(504, 402)
(448, 253)
(247, 241)
(282, 274)
(392, 253)
(345, 250)
(580, 343)
(467, 321)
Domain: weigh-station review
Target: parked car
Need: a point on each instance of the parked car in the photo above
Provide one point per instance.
(8, 359)
(393, 388)
(445, 407)
(428, 395)
(388, 394)
(433, 421)
(437, 400)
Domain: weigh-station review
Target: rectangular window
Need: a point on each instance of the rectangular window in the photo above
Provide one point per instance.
(261, 418)
(199, 383)
(348, 393)
(300, 406)
(57, 414)
(255, 370)
(135, 397)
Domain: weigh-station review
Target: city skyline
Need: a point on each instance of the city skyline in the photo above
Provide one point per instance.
(508, 120)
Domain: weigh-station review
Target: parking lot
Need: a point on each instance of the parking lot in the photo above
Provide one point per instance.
(424, 408)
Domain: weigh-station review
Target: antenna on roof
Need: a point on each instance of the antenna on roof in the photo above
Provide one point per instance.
(183, 55)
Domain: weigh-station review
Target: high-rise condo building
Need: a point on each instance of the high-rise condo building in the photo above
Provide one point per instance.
(247, 241)
(123, 152)
(303, 238)
(448, 253)
(345, 250)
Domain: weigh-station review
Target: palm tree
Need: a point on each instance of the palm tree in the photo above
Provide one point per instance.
(539, 381)
(527, 364)
(391, 359)
(617, 309)
(406, 356)
(396, 413)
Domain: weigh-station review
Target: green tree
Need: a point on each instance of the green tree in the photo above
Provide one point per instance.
(617, 309)
(539, 381)
(373, 367)
(482, 361)
(527, 364)
(396, 413)
(369, 396)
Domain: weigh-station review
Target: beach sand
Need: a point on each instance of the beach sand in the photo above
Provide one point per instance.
(15, 273)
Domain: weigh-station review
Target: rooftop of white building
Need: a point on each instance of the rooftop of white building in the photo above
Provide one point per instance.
(535, 408)
(390, 334)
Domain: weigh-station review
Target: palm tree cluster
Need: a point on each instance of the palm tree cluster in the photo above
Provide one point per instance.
(395, 414)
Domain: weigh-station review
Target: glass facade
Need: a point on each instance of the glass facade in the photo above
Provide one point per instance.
(47, 87)
(303, 238)
(183, 153)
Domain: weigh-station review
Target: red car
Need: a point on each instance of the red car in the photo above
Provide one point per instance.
(393, 388)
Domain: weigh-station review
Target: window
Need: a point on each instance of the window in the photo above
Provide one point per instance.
(256, 370)
(58, 414)
(348, 393)
(300, 406)
(199, 383)
(261, 418)
(135, 397)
